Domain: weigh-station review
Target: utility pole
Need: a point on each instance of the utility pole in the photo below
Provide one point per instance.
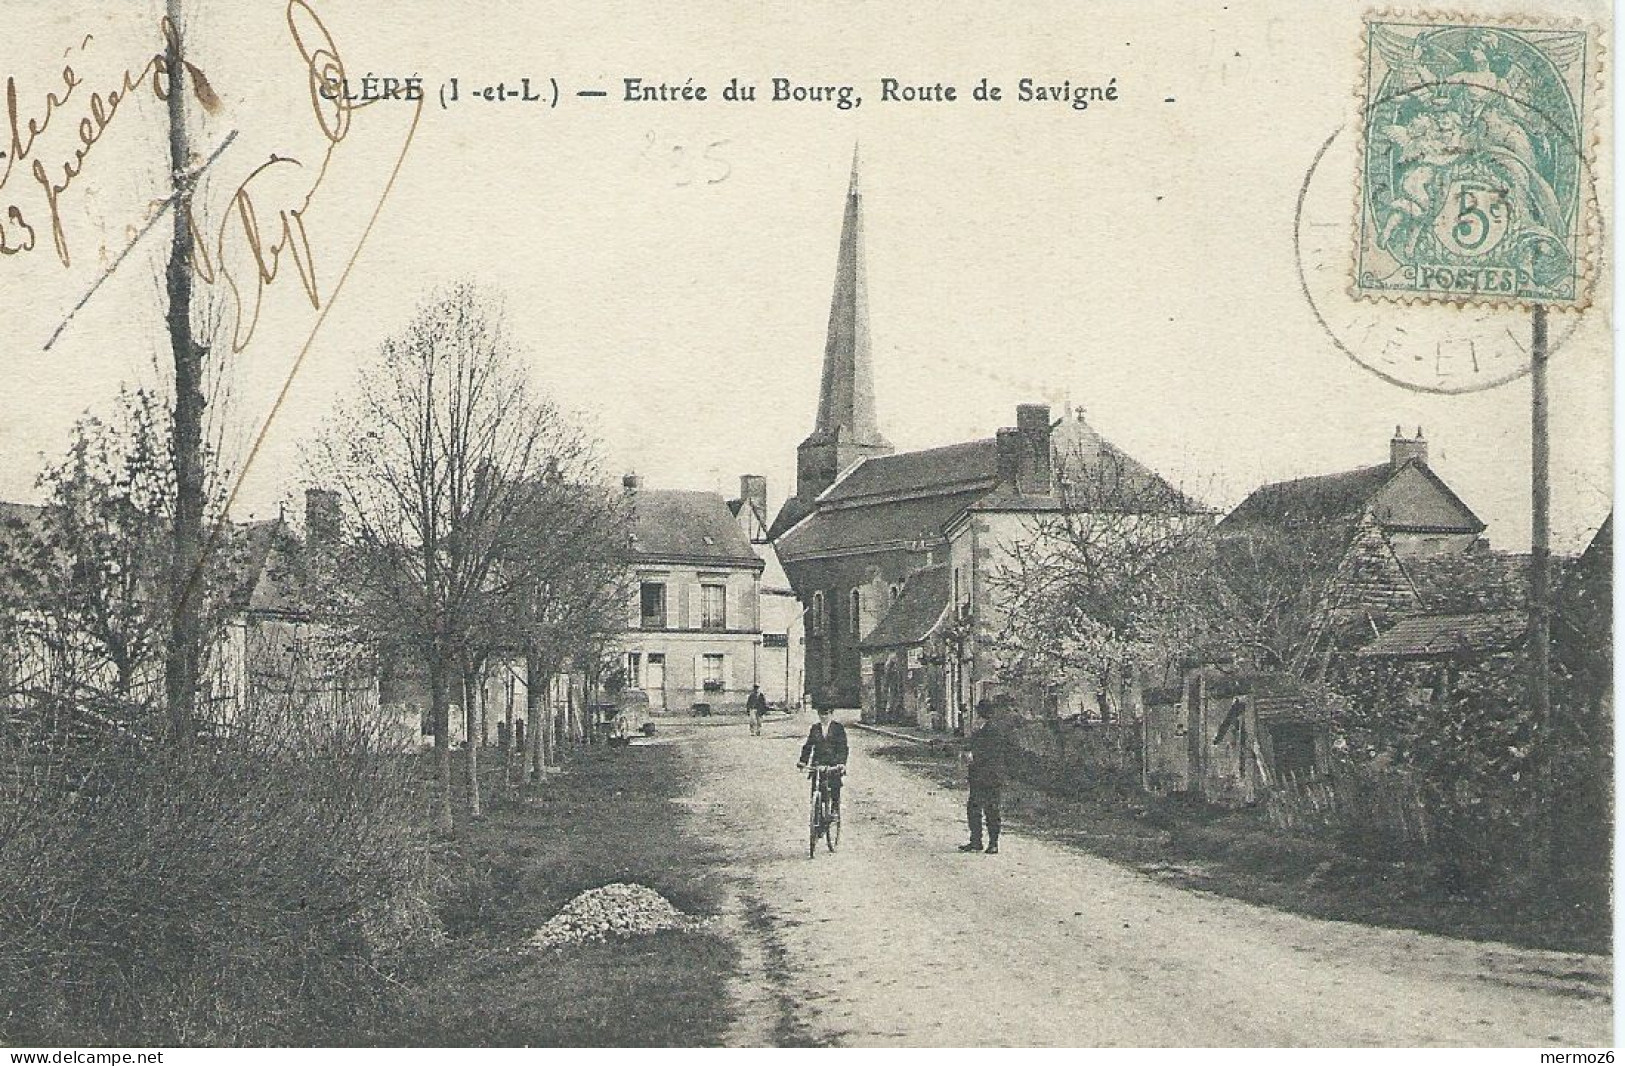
(183, 645)
(1540, 570)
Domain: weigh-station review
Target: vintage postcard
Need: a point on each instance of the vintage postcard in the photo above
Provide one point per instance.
(754, 525)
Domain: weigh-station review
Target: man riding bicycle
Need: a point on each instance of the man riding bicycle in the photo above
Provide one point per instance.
(826, 746)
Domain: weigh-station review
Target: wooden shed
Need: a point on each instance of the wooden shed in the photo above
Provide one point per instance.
(1230, 737)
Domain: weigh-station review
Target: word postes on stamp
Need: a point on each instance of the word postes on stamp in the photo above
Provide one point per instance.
(1473, 176)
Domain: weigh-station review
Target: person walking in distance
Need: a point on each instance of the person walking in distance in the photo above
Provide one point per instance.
(987, 755)
(756, 706)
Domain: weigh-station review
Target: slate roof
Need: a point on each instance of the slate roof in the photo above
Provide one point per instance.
(269, 577)
(1431, 636)
(1097, 475)
(918, 609)
(793, 510)
(1312, 500)
(911, 496)
(881, 522)
(677, 524)
(1335, 497)
(930, 469)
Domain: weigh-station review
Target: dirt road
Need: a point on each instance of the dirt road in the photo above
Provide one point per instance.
(899, 939)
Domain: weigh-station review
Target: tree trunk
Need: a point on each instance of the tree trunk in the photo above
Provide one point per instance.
(474, 728)
(440, 714)
(531, 760)
(507, 735)
(183, 643)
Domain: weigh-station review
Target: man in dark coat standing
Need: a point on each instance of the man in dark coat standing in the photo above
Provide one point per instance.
(756, 706)
(987, 755)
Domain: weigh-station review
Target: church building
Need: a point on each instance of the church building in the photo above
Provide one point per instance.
(889, 553)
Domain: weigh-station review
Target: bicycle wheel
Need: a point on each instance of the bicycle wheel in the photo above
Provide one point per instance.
(832, 827)
(813, 820)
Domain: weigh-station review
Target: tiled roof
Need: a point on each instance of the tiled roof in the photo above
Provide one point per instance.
(948, 467)
(1437, 635)
(1469, 581)
(1312, 500)
(917, 611)
(681, 524)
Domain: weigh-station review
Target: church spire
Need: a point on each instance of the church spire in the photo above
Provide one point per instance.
(847, 430)
(846, 396)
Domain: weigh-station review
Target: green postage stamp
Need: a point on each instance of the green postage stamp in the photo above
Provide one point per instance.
(1475, 183)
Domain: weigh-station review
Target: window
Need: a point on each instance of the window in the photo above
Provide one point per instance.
(652, 605)
(818, 614)
(713, 667)
(856, 615)
(775, 640)
(634, 669)
(713, 606)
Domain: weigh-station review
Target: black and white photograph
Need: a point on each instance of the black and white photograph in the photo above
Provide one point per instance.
(611, 525)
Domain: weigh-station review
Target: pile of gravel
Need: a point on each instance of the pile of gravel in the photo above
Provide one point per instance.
(618, 910)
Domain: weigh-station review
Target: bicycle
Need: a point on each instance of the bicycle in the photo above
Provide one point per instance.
(824, 811)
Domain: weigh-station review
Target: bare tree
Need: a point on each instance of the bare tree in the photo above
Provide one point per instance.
(443, 456)
(575, 599)
(1277, 589)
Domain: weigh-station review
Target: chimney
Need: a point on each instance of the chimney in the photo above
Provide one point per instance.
(322, 522)
(1009, 458)
(1403, 449)
(1032, 422)
(753, 490)
(631, 483)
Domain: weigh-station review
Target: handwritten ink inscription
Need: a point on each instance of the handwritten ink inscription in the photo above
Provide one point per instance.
(55, 176)
(262, 222)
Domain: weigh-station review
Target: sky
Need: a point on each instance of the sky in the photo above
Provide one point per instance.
(667, 266)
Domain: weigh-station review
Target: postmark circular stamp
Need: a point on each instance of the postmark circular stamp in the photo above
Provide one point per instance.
(1435, 346)
(1474, 200)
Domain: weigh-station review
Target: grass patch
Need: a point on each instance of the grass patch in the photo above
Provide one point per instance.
(1239, 854)
(610, 817)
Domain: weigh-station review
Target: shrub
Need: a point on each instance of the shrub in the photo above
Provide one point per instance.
(254, 888)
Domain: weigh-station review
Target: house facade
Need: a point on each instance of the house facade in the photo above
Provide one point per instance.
(783, 647)
(693, 636)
